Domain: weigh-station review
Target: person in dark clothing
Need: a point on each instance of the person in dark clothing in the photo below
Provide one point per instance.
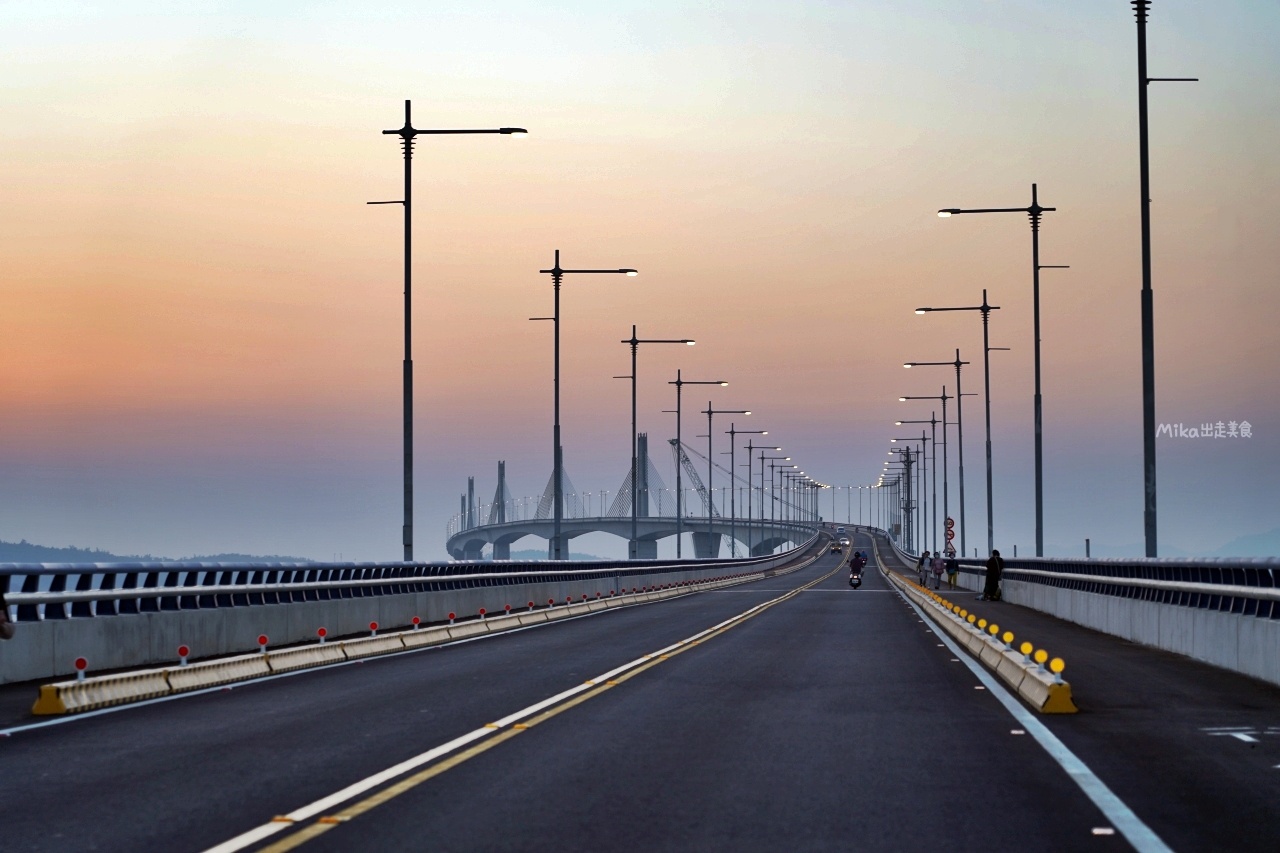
(995, 568)
(6, 627)
(953, 566)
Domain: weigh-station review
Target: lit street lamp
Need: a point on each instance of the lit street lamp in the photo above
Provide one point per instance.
(709, 412)
(557, 454)
(733, 433)
(680, 383)
(635, 342)
(959, 398)
(986, 310)
(1034, 212)
(407, 135)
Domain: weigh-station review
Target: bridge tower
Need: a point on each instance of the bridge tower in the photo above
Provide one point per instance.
(501, 550)
(644, 549)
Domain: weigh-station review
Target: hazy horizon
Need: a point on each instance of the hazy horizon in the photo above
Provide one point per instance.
(201, 348)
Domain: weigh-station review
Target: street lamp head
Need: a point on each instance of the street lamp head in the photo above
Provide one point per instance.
(517, 132)
(746, 413)
(632, 273)
(766, 432)
(724, 384)
(690, 343)
(909, 364)
(923, 310)
(897, 423)
(947, 211)
(902, 399)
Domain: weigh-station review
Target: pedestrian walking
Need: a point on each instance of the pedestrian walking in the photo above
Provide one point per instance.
(995, 569)
(938, 565)
(953, 566)
(7, 628)
(922, 568)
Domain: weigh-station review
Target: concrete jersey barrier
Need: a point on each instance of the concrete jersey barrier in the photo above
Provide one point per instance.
(106, 690)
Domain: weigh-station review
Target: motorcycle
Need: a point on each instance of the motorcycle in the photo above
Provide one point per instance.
(855, 579)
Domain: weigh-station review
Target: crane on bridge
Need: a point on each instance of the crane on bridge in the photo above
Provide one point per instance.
(683, 460)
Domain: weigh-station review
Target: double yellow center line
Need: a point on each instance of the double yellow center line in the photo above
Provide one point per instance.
(489, 736)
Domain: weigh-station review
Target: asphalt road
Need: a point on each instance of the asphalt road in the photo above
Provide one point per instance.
(832, 720)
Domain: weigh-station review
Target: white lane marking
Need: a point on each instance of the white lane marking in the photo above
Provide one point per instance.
(258, 833)
(1137, 833)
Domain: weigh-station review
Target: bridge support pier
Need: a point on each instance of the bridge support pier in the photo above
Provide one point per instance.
(502, 551)
(646, 549)
(472, 550)
(706, 545)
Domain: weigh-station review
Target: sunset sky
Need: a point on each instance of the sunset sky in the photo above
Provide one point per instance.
(201, 342)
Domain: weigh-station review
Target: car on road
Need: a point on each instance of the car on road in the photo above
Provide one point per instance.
(837, 546)
(844, 540)
(839, 530)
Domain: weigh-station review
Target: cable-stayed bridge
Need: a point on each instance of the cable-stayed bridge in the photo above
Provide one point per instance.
(752, 516)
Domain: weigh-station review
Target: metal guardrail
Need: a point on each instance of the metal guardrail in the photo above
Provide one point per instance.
(1249, 587)
(112, 589)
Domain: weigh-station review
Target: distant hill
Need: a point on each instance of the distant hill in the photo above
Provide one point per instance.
(1258, 545)
(27, 552)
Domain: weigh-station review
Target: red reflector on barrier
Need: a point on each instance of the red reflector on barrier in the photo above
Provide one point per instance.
(183, 651)
(82, 664)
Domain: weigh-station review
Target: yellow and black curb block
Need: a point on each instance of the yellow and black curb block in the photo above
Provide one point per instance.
(1040, 686)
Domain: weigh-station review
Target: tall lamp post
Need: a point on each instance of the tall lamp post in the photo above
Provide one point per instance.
(557, 454)
(680, 383)
(1140, 9)
(959, 398)
(709, 412)
(1033, 211)
(635, 343)
(733, 434)
(933, 430)
(986, 310)
(774, 509)
(407, 135)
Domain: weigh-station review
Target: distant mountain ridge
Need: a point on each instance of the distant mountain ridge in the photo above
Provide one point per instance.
(28, 552)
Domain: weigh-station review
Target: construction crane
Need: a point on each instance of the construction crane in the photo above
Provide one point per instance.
(683, 460)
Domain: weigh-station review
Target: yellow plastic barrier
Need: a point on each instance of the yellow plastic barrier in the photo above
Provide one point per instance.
(68, 697)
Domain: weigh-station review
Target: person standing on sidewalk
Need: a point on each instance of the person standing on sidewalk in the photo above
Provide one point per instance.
(995, 569)
(7, 628)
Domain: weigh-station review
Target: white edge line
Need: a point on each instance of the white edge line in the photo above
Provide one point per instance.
(258, 833)
(1137, 833)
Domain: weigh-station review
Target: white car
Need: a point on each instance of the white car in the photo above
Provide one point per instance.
(839, 530)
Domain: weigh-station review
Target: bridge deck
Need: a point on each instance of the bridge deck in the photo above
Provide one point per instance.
(831, 720)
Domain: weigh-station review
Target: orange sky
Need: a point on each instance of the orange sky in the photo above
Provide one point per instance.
(201, 344)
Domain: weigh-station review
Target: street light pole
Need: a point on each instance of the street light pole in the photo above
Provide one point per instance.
(1034, 211)
(711, 466)
(557, 454)
(680, 383)
(1140, 9)
(407, 135)
(986, 310)
(635, 342)
(959, 398)
(733, 433)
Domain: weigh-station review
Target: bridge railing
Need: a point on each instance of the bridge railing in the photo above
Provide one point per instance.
(50, 591)
(1221, 611)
